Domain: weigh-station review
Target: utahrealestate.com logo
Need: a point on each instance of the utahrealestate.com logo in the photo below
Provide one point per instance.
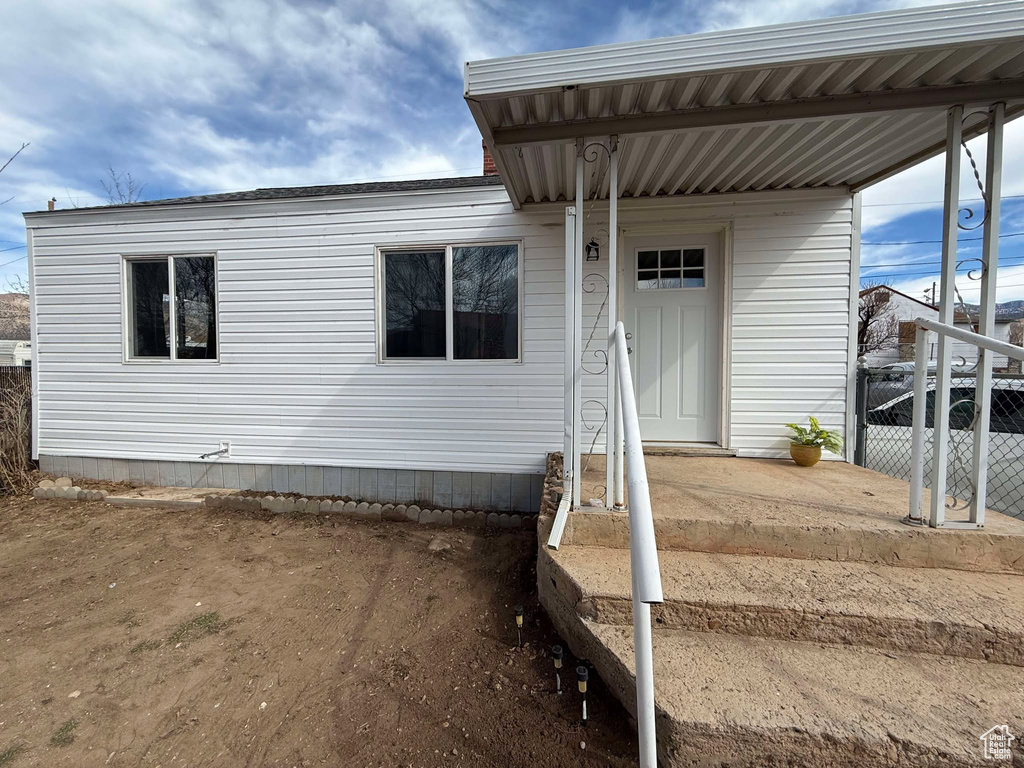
(997, 743)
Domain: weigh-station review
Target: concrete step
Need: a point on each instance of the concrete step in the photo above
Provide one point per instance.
(832, 511)
(991, 550)
(738, 701)
(925, 610)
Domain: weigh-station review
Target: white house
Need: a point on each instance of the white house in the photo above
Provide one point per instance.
(436, 339)
(14, 352)
(904, 309)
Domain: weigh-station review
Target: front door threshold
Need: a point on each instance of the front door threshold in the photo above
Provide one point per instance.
(687, 449)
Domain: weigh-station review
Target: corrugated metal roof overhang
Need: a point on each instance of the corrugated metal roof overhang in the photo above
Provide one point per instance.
(838, 102)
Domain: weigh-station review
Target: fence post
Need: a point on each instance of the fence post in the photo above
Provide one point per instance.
(860, 447)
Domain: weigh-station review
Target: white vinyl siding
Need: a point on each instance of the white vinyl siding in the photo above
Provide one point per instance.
(298, 379)
(790, 307)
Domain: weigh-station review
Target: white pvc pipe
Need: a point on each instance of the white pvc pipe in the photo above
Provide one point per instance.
(987, 311)
(577, 437)
(974, 339)
(620, 484)
(643, 558)
(561, 516)
(612, 421)
(642, 546)
(918, 425)
(950, 212)
(569, 362)
(643, 653)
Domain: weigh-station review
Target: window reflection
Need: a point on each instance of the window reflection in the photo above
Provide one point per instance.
(195, 308)
(150, 309)
(414, 304)
(485, 301)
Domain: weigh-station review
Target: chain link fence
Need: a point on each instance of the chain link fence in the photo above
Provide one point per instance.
(885, 418)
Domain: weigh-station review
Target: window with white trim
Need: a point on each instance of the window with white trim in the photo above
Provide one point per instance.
(669, 268)
(457, 302)
(171, 308)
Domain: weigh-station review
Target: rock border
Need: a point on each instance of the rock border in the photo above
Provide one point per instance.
(553, 484)
(63, 488)
(445, 518)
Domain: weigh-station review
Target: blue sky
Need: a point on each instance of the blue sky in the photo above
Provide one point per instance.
(195, 97)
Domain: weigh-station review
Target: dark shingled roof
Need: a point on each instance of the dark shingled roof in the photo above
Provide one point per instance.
(327, 190)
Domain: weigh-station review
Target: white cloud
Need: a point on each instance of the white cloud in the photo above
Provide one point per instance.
(888, 200)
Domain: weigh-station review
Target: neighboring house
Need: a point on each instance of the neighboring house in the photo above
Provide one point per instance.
(17, 353)
(903, 309)
(435, 339)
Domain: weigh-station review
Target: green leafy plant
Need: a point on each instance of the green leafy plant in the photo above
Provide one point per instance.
(830, 441)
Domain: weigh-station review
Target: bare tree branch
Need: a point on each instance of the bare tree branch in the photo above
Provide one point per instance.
(878, 326)
(121, 187)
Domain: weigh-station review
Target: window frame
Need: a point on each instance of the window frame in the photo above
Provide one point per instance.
(682, 270)
(126, 308)
(380, 299)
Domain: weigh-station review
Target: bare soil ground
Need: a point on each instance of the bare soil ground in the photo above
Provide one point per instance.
(145, 637)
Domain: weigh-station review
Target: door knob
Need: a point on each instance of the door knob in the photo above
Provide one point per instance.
(629, 350)
(629, 336)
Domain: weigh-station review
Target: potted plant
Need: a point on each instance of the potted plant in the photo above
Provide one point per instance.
(806, 444)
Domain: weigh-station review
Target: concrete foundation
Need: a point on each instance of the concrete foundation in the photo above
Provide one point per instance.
(499, 492)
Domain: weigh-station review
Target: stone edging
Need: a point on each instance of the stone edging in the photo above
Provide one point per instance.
(62, 488)
(391, 512)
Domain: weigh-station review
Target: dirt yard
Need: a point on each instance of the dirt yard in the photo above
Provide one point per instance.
(143, 637)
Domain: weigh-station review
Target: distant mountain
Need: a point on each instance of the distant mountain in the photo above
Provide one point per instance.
(14, 316)
(1013, 310)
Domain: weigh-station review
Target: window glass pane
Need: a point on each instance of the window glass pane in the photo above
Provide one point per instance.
(195, 308)
(693, 257)
(150, 307)
(647, 260)
(414, 304)
(670, 259)
(693, 282)
(671, 282)
(647, 280)
(485, 302)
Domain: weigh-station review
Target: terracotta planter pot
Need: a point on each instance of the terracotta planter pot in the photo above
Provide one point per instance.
(805, 455)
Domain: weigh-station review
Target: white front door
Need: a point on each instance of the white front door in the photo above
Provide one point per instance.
(673, 309)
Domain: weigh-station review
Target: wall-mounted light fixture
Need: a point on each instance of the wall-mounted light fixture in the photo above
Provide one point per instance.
(593, 250)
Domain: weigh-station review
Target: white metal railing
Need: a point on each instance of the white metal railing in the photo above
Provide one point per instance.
(643, 555)
(940, 421)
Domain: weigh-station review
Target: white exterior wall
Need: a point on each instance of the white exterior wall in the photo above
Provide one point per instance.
(788, 343)
(298, 380)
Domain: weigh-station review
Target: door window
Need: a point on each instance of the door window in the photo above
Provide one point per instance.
(670, 268)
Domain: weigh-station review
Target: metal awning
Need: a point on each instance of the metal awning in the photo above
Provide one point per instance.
(839, 102)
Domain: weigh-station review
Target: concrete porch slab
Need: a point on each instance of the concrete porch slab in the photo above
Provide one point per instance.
(833, 511)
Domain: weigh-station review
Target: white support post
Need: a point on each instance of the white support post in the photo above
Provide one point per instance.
(577, 445)
(620, 452)
(569, 366)
(918, 425)
(950, 210)
(611, 434)
(986, 313)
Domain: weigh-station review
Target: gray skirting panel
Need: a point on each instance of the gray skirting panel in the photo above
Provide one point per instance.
(446, 490)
